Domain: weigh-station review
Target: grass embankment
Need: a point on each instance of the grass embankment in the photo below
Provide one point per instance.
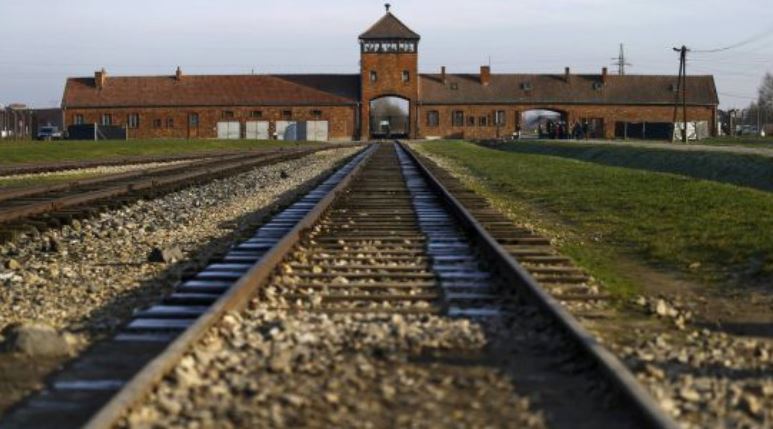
(746, 141)
(713, 230)
(31, 152)
(744, 170)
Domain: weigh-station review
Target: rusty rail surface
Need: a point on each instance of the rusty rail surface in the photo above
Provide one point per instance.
(17, 204)
(7, 170)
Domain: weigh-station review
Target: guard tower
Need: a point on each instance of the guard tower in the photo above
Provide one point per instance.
(390, 81)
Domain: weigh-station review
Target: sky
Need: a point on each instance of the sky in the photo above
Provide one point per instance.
(46, 41)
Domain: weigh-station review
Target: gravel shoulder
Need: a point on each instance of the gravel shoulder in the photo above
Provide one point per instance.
(695, 351)
(85, 279)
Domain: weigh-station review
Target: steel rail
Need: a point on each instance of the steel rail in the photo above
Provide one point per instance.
(235, 298)
(10, 170)
(511, 269)
(29, 191)
(184, 174)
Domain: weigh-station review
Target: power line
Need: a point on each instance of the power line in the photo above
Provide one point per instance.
(748, 41)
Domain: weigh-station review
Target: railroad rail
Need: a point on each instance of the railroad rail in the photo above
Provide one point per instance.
(52, 167)
(62, 202)
(380, 236)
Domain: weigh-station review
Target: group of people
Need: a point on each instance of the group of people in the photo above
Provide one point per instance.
(561, 130)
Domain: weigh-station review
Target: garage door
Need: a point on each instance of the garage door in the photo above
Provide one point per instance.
(316, 131)
(287, 130)
(256, 130)
(228, 130)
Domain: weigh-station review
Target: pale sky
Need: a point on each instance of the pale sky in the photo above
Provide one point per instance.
(42, 42)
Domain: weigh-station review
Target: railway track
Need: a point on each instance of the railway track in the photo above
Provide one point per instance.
(379, 238)
(50, 205)
(52, 167)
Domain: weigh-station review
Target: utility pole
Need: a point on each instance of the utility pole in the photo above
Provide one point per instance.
(682, 84)
(620, 62)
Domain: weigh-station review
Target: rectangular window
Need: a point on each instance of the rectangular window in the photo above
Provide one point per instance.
(228, 114)
(107, 119)
(256, 114)
(433, 118)
(193, 120)
(157, 123)
(499, 119)
(170, 122)
(471, 121)
(457, 118)
(316, 114)
(483, 121)
(406, 76)
(373, 76)
(287, 114)
(77, 120)
(133, 120)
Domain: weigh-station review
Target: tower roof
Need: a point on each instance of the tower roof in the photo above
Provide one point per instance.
(389, 27)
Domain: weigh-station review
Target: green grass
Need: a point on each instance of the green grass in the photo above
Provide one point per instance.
(745, 170)
(600, 212)
(746, 141)
(28, 152)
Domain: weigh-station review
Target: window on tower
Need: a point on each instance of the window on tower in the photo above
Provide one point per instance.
(373, 76)
(406, 76)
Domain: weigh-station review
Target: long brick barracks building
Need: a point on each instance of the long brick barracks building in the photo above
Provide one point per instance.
(388, 96)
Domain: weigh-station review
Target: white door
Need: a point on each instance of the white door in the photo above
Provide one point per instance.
(228, 130)
(286, 130)
(256, 130)
(317, 131)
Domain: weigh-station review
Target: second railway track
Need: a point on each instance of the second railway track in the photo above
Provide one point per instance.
(49, 205)
(380, 239)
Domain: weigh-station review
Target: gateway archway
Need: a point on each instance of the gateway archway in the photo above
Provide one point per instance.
(543, 123)
(390, 117)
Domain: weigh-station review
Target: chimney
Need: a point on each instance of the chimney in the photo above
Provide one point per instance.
(604, 74)
(178, 74)
(100, 77)
(485, 75)
(567, 73)
(443, 74)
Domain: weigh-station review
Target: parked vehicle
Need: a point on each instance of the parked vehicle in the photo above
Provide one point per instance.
(49, 133)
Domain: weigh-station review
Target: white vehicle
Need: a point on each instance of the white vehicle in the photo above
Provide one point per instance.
(49, 132)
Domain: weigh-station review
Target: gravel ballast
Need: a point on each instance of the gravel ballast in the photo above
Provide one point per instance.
(269, 368)
(86, 279)
(701, 375)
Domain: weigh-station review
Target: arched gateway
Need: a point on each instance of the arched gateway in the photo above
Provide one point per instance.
(389, 79)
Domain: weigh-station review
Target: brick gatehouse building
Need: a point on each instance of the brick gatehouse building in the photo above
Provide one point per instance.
(388, 95)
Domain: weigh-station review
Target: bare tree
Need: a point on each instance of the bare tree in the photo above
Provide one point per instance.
(766, 92)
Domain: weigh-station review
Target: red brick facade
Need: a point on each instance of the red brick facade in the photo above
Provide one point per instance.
(490, 104)
(476, 129)
(389, 69)
(178, 123)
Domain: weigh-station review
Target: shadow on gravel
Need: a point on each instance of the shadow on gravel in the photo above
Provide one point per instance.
(107, 320)
(743, 329)
(544, 366)
(736, 169)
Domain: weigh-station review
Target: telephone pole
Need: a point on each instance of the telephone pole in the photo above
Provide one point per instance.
(620, 62)
(682, 85)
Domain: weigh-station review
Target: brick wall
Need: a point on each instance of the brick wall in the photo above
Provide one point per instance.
(340, 119)
(512, 114)
(389, 68)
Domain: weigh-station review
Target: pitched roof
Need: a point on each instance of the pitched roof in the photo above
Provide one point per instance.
(389, 27)
(619, 90)
(212, 90)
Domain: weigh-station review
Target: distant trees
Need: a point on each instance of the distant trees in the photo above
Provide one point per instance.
(765, 99)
